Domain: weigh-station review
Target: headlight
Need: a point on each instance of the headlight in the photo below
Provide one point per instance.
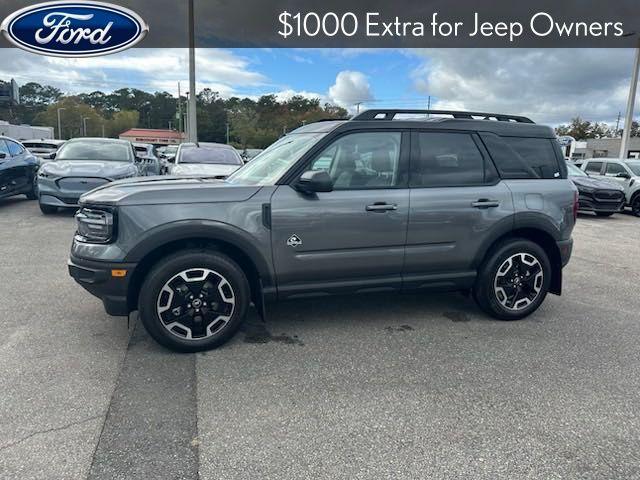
(94, 226)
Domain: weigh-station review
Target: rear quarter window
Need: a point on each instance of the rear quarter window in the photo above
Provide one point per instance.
(522, 157)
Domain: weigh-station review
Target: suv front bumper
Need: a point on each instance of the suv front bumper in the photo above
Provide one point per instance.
(98, 278)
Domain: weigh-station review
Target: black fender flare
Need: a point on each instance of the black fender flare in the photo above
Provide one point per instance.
(207, 230)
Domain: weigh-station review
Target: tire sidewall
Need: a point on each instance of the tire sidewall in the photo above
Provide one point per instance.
(635, 205)
(171, 266)
(486, 293)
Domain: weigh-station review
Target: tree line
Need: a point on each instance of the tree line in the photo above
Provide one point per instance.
(581, 129)
(250, 123)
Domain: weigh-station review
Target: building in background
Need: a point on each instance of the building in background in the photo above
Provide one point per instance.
(154, 136)
(9, 92)
(25, 132)
(604, 147)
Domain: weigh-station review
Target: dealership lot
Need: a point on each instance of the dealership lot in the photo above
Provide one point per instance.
(376, 386)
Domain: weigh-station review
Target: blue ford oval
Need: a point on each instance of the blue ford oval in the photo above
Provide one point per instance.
(74, 29)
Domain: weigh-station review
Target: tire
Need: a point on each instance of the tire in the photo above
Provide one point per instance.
(604, 214)
(501, 274)
(48, 209)
(635, 205)
(33, 194)
(167, 302)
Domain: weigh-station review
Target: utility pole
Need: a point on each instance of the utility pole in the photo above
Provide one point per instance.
(617, 124)
(357, 104)
(180, 124)
(628, 118)
(429, 106)
(227, 133)
(103, 135)
(193, 120)
(84, 126)
(59, 124)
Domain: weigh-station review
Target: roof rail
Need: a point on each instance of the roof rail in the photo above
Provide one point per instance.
(386, 114)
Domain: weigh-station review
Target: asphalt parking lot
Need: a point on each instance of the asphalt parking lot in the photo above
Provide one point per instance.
(384, 386)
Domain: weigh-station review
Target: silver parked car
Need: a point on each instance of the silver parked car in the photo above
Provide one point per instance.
(149, 161)
(215, 160)
(83, 164)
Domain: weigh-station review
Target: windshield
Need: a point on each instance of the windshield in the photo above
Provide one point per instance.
(96, 150)
(225, 156)
(271, 164)
(635, 167)
(575, 171)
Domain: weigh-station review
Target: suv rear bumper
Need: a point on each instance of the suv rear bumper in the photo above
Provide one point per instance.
(565, 247)
(98, 279)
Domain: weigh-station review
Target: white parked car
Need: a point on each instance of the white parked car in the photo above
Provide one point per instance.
(44, 149)
(215, 160)
(626, 173)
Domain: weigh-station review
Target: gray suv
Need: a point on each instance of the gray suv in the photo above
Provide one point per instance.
(389, 200)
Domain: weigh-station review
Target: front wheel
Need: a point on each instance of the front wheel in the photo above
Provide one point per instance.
(635, 205)
(33, 193)
(194, 300)
(514, 280)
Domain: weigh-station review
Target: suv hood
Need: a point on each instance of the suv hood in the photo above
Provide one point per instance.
(167, 190)
(89, 168)
(590, 182)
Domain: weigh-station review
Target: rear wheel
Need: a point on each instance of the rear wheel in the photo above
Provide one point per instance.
(194, 300)
(604, 214)
(48, 209)
(514, 280)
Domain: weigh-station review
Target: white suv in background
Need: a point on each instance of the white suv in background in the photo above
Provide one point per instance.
(625, 173)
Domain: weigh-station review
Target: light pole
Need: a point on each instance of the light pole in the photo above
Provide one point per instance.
(193, 121)
(628, 118)
(84, 125)
(59, 124)
(227, 133)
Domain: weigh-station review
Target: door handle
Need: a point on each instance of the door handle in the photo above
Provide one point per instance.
(485, 203)
(381, 207)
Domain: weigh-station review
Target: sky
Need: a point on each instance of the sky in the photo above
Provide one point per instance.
(549, 85)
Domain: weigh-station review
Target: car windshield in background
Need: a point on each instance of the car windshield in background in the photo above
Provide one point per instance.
(52, 146)
(271, 164)
(575, 171)
(104, 151)
(635, 167)
(225, 156)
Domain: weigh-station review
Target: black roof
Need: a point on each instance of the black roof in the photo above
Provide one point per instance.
(500, 124)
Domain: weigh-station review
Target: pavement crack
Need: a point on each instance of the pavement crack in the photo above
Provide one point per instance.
(49, 430)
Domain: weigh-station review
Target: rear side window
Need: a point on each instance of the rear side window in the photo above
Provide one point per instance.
(520, 157)
(593, 167)
(441, 159)
(538, 153)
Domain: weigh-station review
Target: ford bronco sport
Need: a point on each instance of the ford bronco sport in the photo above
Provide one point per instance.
(389, 200)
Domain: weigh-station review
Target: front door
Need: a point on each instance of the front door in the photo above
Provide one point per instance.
(353, 237)
(456, 201)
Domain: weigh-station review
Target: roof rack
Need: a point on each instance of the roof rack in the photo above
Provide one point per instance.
(385, 114)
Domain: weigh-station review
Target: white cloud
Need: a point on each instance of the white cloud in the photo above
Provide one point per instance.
(549, 85)
(350, 88)
(147, 69)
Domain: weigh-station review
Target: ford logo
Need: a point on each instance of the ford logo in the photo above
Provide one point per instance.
(74, 29)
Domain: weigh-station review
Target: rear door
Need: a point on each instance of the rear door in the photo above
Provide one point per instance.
(353, 237)
(456, 200)
(595, 168)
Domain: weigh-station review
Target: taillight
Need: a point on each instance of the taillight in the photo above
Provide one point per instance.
(575, 206)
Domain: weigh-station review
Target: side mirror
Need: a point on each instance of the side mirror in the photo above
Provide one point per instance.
(313, 181)
(52, 155)
(623, 175)
(3, 155)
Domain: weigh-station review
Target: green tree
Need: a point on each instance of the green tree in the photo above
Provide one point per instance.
(72, 118)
